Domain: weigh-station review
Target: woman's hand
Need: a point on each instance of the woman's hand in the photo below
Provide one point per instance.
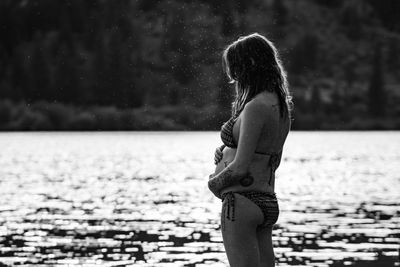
(218, 154)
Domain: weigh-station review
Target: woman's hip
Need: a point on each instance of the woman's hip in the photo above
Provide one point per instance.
(254, 205)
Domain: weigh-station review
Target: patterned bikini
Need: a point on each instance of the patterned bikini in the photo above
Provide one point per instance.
(266, 201)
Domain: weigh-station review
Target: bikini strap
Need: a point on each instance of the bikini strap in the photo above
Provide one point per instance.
(274, 163)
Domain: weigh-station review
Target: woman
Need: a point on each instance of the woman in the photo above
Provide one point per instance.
(253, 139)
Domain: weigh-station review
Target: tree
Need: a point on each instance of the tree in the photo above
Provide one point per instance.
(225, 9)
(376, 92)
(242, 7)
(40, 73)
(315, 100)
(176, 53)
(66, 86)
(388, 12)
(393, 57)
(304, 56)
(316, 106)
(280, 12)
(355, 15)
(99, 70)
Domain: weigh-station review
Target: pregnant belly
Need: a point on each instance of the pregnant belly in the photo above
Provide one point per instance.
(228, 157)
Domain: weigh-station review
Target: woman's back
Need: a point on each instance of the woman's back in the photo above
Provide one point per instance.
(276, 127)
(269, 146)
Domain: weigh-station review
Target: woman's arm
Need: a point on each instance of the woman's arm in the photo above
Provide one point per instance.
(250, 130)
(228, 177)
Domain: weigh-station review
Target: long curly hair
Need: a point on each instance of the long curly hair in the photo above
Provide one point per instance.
(253, 64)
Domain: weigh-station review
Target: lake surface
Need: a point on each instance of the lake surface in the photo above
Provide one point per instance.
(141, 199)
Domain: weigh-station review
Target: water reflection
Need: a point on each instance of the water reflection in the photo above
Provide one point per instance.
(140, 199)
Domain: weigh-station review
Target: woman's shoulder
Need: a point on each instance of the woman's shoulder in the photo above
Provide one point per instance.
(259, 111)
(262, 103)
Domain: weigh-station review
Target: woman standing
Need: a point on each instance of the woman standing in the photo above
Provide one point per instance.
(253, 139)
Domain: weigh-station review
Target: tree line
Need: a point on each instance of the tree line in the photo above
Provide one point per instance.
(77, 56)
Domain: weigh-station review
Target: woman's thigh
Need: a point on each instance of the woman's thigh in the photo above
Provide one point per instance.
(240, 237)
(264, 237)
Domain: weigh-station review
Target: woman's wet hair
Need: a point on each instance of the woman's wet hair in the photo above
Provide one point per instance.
(252, 63)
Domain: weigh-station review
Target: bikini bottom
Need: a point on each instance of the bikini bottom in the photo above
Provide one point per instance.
(267, 202)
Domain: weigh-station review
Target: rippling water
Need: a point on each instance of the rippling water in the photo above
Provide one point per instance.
(141, 199)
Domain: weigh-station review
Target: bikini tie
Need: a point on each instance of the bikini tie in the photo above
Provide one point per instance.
(226, 209)
(274, 162)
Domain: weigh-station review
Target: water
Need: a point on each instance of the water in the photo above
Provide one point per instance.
(141, 199)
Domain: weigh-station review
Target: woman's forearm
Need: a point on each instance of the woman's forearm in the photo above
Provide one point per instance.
(222, 180)
(229, 176)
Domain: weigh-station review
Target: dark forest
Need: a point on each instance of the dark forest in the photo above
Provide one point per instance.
(156, 65)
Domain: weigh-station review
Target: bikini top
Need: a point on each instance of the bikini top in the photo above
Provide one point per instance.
(227, 139)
